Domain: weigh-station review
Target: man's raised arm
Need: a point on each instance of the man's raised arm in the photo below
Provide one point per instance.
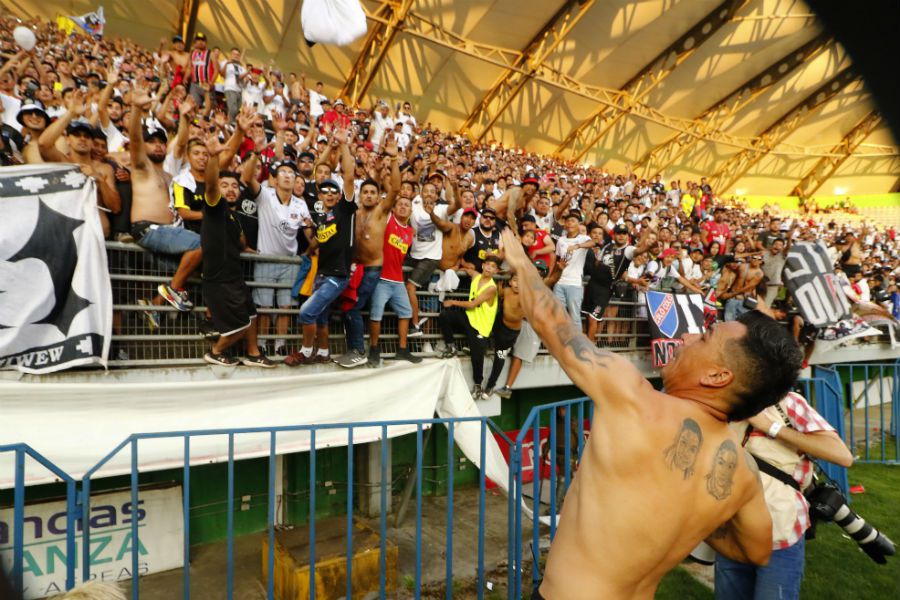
(599, 373)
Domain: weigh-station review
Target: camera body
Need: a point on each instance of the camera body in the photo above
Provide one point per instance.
(750, 303)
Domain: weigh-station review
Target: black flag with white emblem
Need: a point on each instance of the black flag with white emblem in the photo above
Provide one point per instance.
(55, 295)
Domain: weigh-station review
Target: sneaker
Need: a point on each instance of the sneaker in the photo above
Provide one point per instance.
(280, 352)
(124, 238)
(351, 359)
(260, 360)
(374, 357)
(208, 331)
(427, 348)
(122, 354)
(172, 296)
(151, 316)
(298, 358)
(488, 391)
(322, 360)
(449, 351)
(405, 354)
(220, 359)
(414, 331)
(477, 392)
(505, 392)
(421, 322)
(186, 299)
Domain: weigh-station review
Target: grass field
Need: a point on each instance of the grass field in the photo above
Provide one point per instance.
(835, 568)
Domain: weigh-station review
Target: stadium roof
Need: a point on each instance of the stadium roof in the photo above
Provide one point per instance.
(751, 92)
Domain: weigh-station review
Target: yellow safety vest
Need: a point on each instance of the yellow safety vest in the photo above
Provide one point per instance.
(481, 318)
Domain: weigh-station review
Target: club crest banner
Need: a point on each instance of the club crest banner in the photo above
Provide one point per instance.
(55, 293)
(811, 281)
(671, 316)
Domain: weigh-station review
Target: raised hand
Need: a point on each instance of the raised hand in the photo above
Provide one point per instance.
(514, 252)
(187, 106)
(341, 135)
(213, 145)
(112, 76)
(245, 118)
(76, 104)
(390, 144)
(279, 123)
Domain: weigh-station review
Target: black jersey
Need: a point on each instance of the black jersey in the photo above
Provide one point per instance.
(334, 231)
(220, 239)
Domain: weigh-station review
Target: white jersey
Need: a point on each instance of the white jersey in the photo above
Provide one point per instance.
(279, 223)
(428, 241)
(573, 273)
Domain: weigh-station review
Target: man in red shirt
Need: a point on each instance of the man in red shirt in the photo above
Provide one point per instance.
(398, 236)
(335, 117)
(717, 230)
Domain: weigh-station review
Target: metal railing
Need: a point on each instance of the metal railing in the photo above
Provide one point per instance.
(79, 501)
(136, 273)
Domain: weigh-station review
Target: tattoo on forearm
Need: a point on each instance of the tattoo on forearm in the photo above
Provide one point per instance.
(720, 478)
(682, 454)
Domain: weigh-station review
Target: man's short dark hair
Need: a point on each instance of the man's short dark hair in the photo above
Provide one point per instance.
(767, 363)
(372, 182)
(494, 259)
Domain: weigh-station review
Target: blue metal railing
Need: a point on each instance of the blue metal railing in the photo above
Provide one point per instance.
(887, 376)
(551, 414)
(78, 503)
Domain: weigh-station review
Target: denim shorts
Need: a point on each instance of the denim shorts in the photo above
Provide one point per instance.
(393, 292)
(283, 273)
(166, 239)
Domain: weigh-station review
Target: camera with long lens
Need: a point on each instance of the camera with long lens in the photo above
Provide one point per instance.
(827, 503)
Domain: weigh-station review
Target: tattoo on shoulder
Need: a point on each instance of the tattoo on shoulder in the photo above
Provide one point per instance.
(682, 454)
(720, 478)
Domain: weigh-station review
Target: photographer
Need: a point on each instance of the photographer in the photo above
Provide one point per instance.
(786, 436)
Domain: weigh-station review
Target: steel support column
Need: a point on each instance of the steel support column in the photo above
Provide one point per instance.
(661, 157)
(826, 166)
(512, 81)
(187, 20)
(735, 167)
(387, 21)
(589, 132)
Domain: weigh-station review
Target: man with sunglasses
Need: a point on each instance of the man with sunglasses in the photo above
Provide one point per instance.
(334, 239)
(487, 241)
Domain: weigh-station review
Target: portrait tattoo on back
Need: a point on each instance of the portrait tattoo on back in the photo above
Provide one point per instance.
(720, 478)
(682, 454)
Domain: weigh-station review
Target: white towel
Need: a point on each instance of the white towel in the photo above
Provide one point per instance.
(448, 282)
(337, 22)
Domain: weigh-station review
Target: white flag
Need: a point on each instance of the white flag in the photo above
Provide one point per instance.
(55, 293)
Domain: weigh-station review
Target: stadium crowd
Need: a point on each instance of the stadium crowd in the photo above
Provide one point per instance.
(379, 206)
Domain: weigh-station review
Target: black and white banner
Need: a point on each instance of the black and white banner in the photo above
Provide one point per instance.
(811, 281)
(55, 295)
(670, 317)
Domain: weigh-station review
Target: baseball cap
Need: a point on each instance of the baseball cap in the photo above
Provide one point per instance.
(307, 154)
(321, 138)
(697, 249)
(177, 38)
(668, 252)
(156, 132)
(470, 211)
(284, 163)
(530, 178)
(489, 212)
(620, 229)
(338, 101)
(528, 218)
(80, 125)
(330, 184)
(437, 173)
(200, 36)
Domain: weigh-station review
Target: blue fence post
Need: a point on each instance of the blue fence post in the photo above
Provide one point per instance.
(19, 520)
(350, 512)
(135, 581)
(186, 515)
(479, 581)
(382, 560)
(270, 518)
(230, 520)
(451, 466)
(312, 514)
(86, 528)
(419, 451)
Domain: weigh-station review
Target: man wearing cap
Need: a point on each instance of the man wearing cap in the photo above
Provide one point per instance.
(181, 60)
(372, 218)
(34, 120)
(335, 117)
(281, 217)
(487, 241)
(204, 69)
(334, 240)
(80, 140)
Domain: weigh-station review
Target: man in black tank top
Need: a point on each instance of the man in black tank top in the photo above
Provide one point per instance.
(487, 241)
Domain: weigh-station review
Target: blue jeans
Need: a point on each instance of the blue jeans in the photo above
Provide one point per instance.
(370, 278)
(316, 308)
(571, 296)
(393, 292)
(779, 580)
(166, 239)
(734, 308)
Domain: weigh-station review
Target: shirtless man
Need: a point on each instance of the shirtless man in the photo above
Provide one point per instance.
(180, 59)
(457, 239)
(519, 199)
(371, 220)
(748, 277)
(635, 510)
(80, 140)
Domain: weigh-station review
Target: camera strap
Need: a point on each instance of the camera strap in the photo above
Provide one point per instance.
(773, 471)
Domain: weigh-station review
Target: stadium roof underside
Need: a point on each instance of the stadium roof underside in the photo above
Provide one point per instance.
(750, 92)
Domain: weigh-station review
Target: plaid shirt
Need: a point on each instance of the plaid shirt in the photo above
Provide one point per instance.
(804, 419)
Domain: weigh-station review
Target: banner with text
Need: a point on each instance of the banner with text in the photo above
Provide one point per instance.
(160, 538)
(55, 294)
(811, 281)
(671, 316)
